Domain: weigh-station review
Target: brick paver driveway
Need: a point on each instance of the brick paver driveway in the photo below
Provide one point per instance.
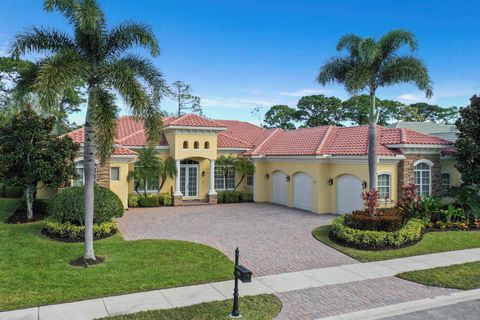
(272, 239)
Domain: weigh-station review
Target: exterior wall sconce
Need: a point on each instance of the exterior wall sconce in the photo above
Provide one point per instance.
(287, 178)
(203, 173)
(364, 184)
(330, 182)
(267, 176)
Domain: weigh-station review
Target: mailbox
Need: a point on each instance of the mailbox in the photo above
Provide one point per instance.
(243, 274)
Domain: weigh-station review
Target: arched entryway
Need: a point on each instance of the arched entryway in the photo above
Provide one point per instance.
(349, 193)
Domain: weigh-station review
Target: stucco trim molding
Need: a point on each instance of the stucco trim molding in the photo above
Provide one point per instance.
(430, 163)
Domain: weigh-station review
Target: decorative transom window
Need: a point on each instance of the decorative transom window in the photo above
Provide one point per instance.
(384, 185)
(80, 180)
(222, 182)
(250, 180)
(151, 185)
(422, 173)
(185, 144)
(446, 183)
(196, 145)
(206, 145)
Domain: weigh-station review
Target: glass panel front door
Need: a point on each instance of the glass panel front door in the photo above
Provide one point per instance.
(188, 180)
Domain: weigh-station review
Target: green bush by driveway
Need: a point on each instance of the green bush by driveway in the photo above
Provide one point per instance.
(262, 307)
(34, 270)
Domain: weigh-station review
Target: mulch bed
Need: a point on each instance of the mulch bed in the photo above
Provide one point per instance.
(81, 262)
(56, 237)
(20, 216)
(349, 245)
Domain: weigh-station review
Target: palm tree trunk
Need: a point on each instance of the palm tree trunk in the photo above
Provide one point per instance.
(29, 200)
(89, 155)
(372, 144)
(236, 187)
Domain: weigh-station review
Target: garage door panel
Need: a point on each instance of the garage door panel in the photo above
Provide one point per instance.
(349, 194)
(302, 191)
(279, 188)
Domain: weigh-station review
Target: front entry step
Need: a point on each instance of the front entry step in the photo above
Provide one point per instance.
(194, 203)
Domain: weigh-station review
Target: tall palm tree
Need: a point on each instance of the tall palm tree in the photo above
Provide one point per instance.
(97, 57)
(227, 163)
(245, 168)
(168, 169)
(371, 64)
(147, 167)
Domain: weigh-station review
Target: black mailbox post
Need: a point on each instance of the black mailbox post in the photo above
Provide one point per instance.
(243, 274)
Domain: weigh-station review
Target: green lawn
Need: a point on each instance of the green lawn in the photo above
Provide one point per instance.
(34, 270)
(262, 307)
(463, 276)
(431, 242)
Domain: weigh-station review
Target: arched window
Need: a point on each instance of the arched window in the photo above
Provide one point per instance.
(207, 145)
(422, 172)
(80, 180)
(195, 145)
(185, 144)
(384, 186)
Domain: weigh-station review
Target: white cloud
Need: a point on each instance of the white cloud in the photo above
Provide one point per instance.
(236, 103)
(305, 92)
(410, 98)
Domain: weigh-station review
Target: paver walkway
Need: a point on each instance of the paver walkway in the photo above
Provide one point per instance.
(351, 287)
(272, 239)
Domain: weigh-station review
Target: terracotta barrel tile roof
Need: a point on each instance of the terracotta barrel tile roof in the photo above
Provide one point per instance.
(123, 152)
(192, 120)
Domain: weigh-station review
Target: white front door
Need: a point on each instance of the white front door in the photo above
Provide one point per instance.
(302, 191)
(189, 180)
(279, 188)
(349, 194)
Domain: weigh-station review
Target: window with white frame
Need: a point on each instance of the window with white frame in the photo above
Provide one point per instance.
(384, 185)
(422, 173)
(222, 182)
(250, 180)
(151, 185)
(80, 180)
(115, 173)
(446, 183)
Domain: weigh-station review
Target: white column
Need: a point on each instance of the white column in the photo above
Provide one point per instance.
(212, 178)
(177, 193)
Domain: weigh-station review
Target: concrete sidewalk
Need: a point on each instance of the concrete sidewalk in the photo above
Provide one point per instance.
(285, 282)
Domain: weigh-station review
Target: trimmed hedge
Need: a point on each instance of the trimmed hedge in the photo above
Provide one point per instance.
(67, 205)
(163, 199)
(151, 201)
(73, 233)
(234, 197)
(369, 239)
(389, 220)
(133, 200)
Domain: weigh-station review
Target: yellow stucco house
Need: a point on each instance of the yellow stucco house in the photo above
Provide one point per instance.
(322, 169)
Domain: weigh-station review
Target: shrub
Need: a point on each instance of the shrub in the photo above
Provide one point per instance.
(388, 220)
(450, 214)
(165, 199)
(220, 197)
(371, 200)
(133, 200)
(12, 192)
(368, 239)
(247, 196)
(409, 201)
(468, 197)
(151, 201)
(67, 205)
(428, 207)
(71, 232)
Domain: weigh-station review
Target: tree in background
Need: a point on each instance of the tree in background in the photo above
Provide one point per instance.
(244, 167)
(319, 110)
(95, 56)
(280, 116)
(435, 113)
(467, 145)
(186, 102)
(372, 64)
(30, 153)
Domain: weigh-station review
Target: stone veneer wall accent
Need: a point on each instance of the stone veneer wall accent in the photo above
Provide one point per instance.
(405, 172)
(103, 174)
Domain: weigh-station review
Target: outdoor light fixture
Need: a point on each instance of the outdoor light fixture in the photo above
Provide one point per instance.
(287, 178)
(364, 184)
(330, 182)
(203, 173)
(243, 274)
(267, 176)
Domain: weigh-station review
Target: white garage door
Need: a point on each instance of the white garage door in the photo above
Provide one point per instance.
(349, 194)
(279, 188)
(302, 191)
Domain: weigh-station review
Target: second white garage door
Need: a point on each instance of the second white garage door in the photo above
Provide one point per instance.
(349, 194)
(302, 191)
(279, 188)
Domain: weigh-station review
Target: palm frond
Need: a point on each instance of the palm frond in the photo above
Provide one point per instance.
(153, 119)
(41, 40)
(368, 51)
(335, 70)
(104, 115)
(65, 7)
(358, 78)
(406, 69)
(351, 42)
(393, 40)
(54, 74)
(89, 17)
(131, 34)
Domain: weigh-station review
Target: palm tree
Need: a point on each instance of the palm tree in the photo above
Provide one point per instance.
(168, 169)
(372, 64)
(147, 167)
(97, 57)
(226, 163)
(245, 168)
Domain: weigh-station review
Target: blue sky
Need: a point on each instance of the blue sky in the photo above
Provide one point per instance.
(241, 54)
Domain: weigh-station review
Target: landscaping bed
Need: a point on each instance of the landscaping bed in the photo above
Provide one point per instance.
(37, 270)
(151, 200)
(20, 214)
(463, 276)
(261, 307)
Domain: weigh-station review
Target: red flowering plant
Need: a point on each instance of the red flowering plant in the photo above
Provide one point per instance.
(409, 201)
(371, 200)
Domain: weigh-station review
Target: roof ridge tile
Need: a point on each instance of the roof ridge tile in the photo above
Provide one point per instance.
(324, 140)
(270, 136)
